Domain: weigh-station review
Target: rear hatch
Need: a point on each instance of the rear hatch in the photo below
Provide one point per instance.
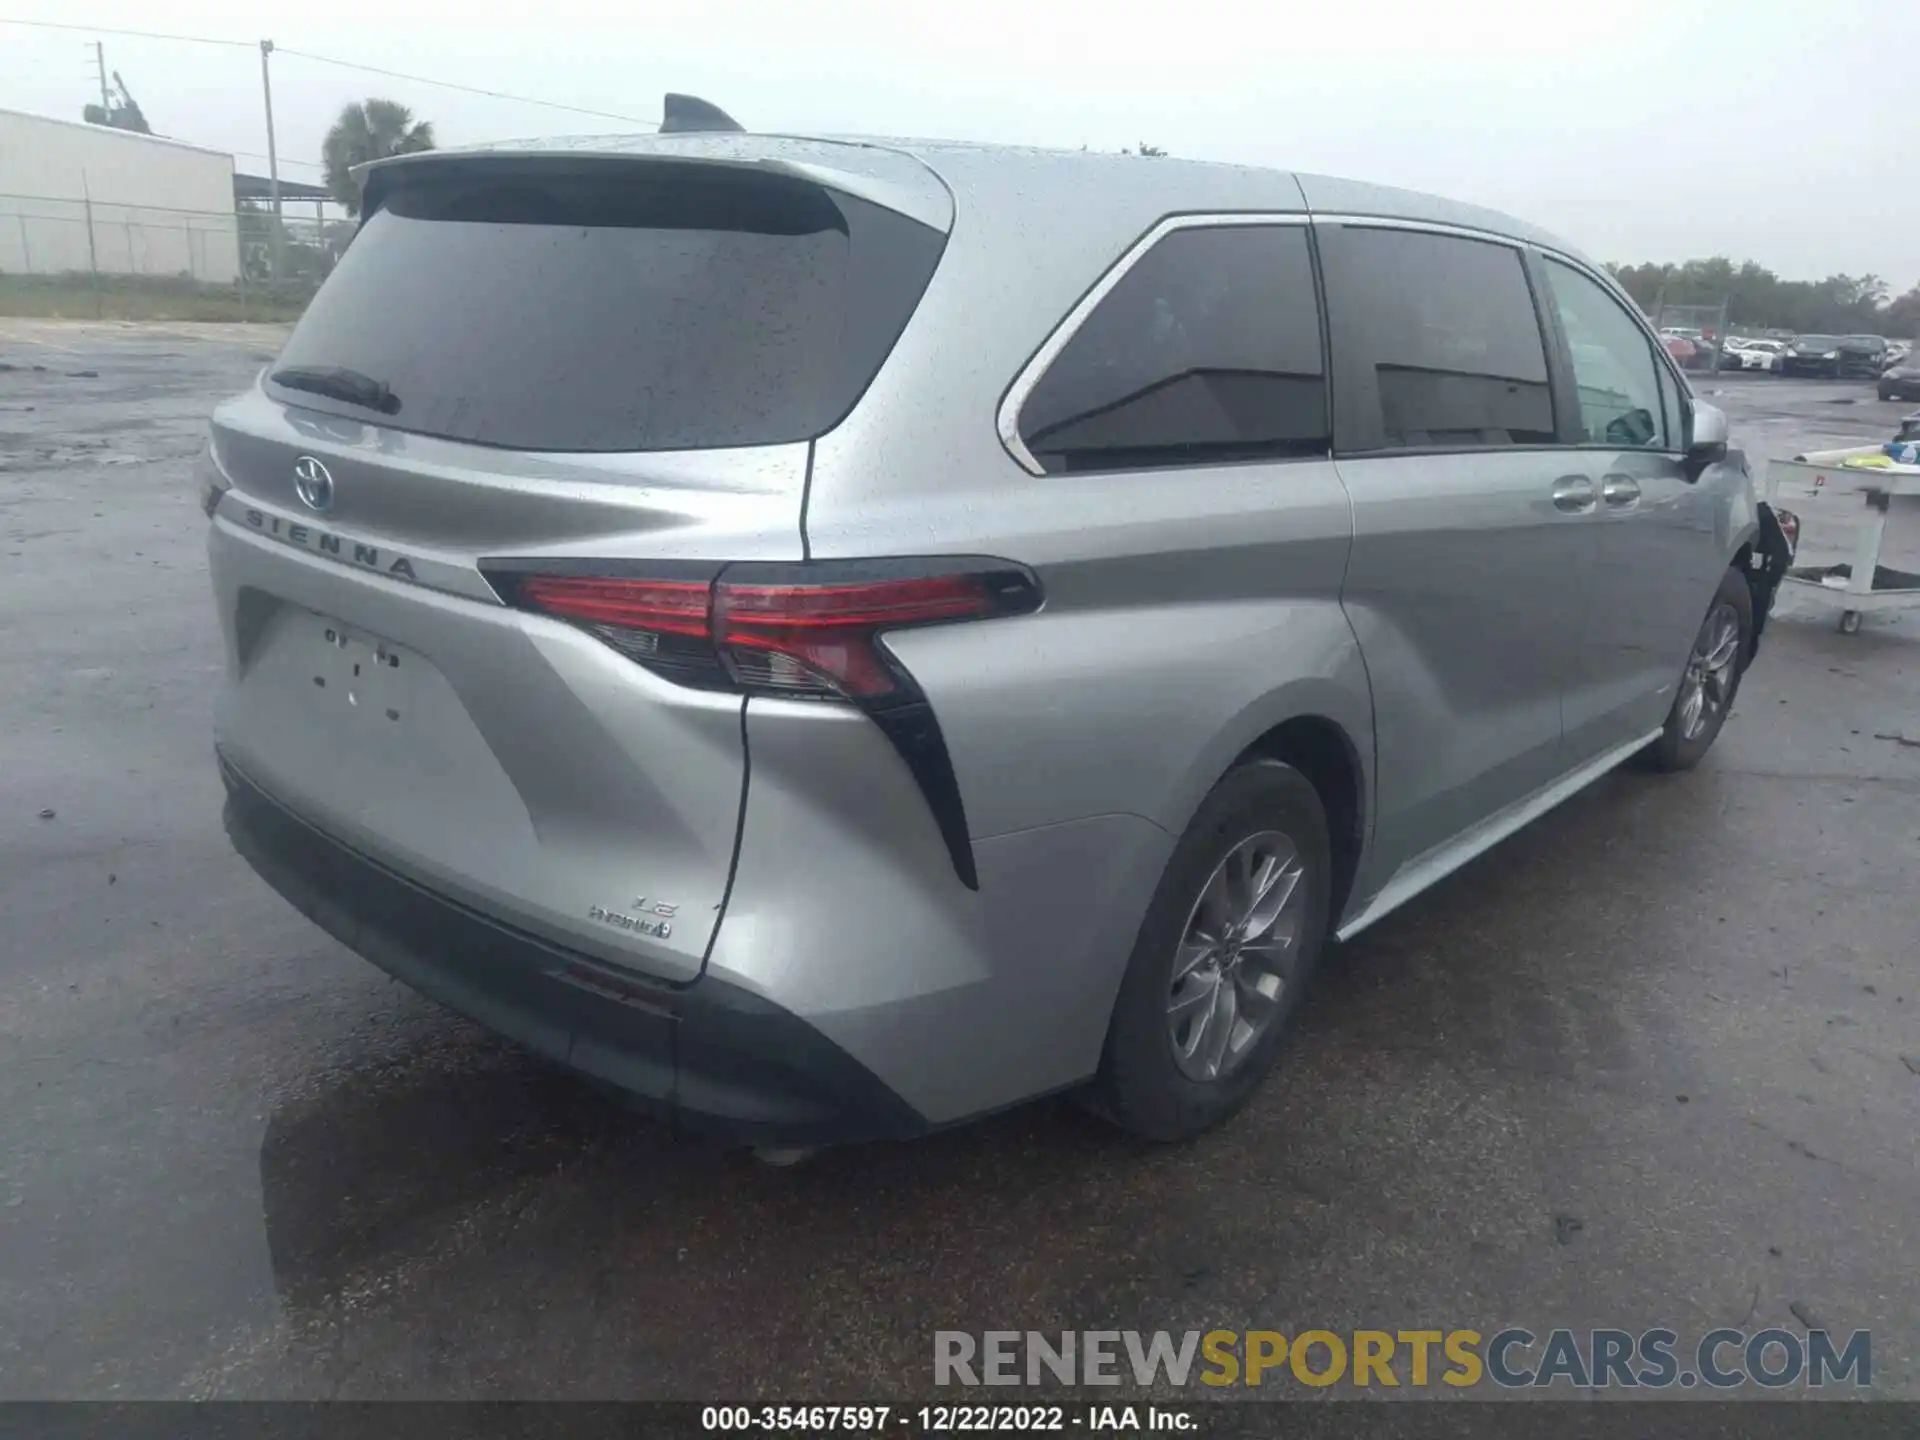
(555, 362)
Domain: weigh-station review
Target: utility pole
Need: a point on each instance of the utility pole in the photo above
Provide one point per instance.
(100, 64)
(273, 161)
(93, 255)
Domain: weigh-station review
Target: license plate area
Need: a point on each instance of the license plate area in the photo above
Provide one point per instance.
(365, 680)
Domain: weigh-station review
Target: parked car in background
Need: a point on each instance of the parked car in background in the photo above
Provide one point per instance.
(1812, 355)
(1901, 380)
(1695, 350)
(1686, 353)
(1763, 355)
(1862, 357)
(1898, 350)
(1117, 578)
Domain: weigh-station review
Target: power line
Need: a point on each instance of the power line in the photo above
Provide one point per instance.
(467, 89)
(283, 159)
(331, 60)
(136, 34)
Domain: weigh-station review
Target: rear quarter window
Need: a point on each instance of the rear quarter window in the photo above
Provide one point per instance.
(614, 307)
(1206, 350)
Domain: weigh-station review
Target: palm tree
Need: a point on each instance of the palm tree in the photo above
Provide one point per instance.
(369, 130)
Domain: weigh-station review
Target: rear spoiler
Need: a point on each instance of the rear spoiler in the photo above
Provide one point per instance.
(876, 173)
(679, 115)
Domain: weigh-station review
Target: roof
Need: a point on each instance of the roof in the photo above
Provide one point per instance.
(113, 133)
(1106, 181)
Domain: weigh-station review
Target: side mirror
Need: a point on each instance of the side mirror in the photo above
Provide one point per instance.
(1706, 439)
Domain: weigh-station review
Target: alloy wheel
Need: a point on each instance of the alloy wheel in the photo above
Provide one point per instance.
(1235, 958)
(1707, 687)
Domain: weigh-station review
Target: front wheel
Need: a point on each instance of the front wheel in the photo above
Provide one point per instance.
(1229, 942)
(1711, 678)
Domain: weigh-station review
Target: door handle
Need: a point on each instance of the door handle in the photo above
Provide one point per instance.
(1573, 494)
(1619, 491)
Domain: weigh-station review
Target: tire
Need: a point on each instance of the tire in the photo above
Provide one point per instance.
(1686, 737)
(1148, 1084)
(1886, 392)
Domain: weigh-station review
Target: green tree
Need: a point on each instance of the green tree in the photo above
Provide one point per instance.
(1756, 298)
(1642, 282)
(369, 130)
(1903, 315)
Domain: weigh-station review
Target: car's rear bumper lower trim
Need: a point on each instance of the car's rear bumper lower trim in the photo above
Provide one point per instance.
(709, 1056)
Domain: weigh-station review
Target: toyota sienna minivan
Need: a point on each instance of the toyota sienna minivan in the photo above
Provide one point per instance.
(834, 638)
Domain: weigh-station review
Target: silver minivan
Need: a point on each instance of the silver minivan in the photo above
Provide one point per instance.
(834, 638)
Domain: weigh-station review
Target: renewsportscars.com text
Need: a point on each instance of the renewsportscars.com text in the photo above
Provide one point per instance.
(1512, 1358)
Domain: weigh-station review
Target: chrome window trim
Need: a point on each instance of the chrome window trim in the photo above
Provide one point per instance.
(1008, 418)
(1436, 227)
(1049, 351)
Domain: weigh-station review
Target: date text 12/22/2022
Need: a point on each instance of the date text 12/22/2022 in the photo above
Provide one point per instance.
(944, 1419)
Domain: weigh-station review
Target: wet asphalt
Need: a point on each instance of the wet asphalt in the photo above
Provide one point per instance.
(1655, 1061)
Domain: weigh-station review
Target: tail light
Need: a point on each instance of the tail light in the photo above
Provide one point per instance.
(662, 624)
(801, 631)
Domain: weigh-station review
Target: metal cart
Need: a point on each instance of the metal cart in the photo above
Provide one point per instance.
(1859, 544)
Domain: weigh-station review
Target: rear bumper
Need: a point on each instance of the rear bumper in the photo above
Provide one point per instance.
(709, 1056)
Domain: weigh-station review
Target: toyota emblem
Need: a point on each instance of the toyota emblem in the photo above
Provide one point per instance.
(313, 482)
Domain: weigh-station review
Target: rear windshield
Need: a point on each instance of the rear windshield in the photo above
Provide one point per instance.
(607, 307)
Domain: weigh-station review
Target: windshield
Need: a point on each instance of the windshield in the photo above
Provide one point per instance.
(1816, 342)
(610, 308)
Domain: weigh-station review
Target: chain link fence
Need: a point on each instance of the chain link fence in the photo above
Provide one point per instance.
(58, 255)
(1702, 327)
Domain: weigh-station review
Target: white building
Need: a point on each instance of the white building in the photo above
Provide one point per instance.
(76, 197)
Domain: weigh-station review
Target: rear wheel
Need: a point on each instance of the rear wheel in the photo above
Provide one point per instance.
(1711, 678)
(1228, 945)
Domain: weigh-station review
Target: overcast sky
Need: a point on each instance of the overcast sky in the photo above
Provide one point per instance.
(1783, 131)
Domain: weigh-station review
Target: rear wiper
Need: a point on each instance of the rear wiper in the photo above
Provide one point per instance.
(337, 382)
